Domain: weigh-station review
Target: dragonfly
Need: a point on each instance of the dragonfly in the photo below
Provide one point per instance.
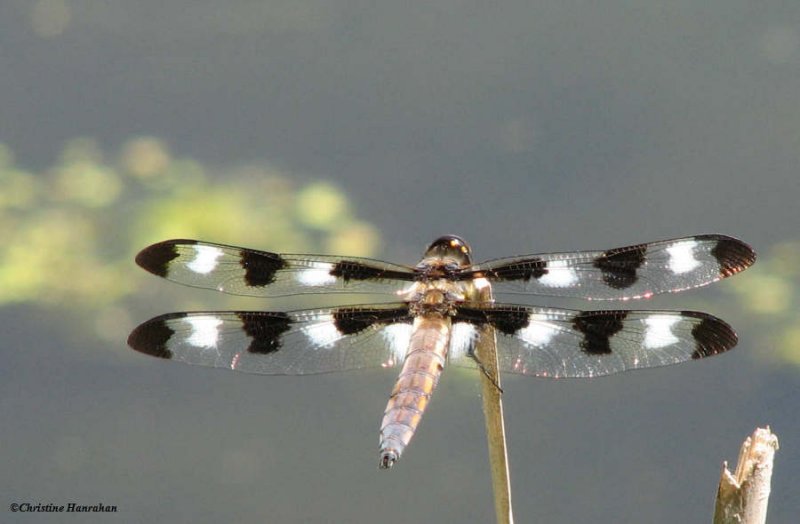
(436, 312)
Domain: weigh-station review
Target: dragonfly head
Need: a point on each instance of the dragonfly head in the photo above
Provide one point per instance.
(452, 247)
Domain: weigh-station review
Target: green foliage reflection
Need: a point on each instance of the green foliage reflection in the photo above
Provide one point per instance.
(70, 232)
(769, 293)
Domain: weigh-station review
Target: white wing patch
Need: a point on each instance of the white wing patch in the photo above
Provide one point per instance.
(205, 331)
(398, 338)
(462, 340)
(558, 275)
(323, 333)
(658, 331)
(481, 283)
(205, 259)
(319, 274)
(539, 330)
(681, 257)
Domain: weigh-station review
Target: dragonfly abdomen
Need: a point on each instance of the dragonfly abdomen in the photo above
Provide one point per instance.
(423, 365)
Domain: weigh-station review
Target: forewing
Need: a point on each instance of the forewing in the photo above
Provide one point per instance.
(548, 342)
(276, 343)
(630, 272)
(242, 271)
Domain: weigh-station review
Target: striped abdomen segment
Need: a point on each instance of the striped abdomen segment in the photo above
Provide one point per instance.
(424, 363)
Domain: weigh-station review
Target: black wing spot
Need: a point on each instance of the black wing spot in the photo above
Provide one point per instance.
(260, 268)
(619, 265)
(152, 337)
(349, 321)
(597, 328)
(265, 332)
(351, 270)
(733, 256)
(522, 270)
(712, 336)
(156, 258)
(507, 321)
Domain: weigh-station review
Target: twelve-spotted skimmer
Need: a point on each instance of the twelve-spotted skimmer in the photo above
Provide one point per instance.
(442, 307)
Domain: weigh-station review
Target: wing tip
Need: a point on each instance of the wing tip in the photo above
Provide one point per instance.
(151, 338)
(157, 257)
(712, 335)
(733, 255)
